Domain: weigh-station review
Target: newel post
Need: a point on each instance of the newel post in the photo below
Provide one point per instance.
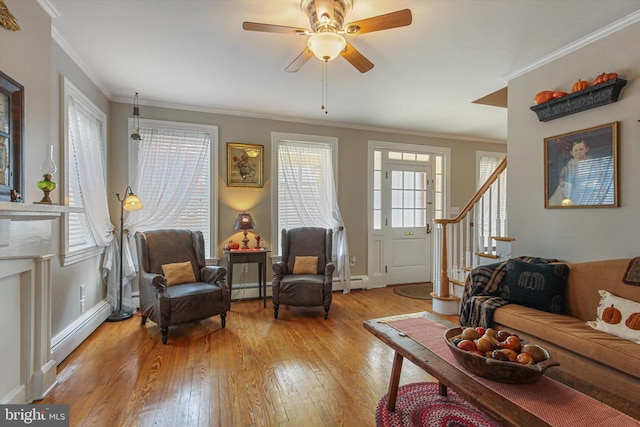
(444, 267)
(443, 301)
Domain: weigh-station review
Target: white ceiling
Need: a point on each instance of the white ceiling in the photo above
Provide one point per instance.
(194, 53)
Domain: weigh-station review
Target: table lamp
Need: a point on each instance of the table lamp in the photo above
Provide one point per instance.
(244, 223)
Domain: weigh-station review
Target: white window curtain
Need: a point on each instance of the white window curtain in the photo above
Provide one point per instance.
(88, 173)
(172, 182)
(307, 196)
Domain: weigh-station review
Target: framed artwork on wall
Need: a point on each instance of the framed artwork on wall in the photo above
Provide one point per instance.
(581, 168)
(11, 136)
(245, 163)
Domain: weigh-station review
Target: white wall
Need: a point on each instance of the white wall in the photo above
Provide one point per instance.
(30, 57)
(576, 234)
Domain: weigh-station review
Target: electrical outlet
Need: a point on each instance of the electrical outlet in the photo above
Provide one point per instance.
(352, 261)
(244, 268)
(82, 297)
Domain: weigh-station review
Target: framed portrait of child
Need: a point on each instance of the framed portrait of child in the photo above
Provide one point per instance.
(581, 169)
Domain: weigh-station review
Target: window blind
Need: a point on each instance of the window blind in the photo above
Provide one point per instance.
(173, 153)
(301, 184)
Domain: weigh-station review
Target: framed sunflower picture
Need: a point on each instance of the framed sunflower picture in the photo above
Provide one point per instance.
(245, 165)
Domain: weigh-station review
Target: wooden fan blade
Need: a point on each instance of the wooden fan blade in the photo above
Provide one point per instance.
(396, 19)
(270, 28)
(299, 61)
(356, 59)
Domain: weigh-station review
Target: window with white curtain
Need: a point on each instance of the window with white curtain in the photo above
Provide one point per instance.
(172, 164)
(496, 211)
(304, 182)
(89, 129)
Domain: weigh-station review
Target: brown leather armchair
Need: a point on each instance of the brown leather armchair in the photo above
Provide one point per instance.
(304, 289)
(166, 305)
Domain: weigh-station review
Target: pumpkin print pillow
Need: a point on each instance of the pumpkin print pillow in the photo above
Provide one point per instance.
(618, 316)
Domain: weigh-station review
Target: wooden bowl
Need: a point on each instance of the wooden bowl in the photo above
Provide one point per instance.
(497, 370)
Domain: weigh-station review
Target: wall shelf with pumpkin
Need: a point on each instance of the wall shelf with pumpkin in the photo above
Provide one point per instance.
(593, 96)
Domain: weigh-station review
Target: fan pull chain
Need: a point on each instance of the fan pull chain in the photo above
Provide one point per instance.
(324, 87)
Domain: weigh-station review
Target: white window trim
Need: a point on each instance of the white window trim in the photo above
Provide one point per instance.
(276, 137)
(69, 89)
(214, 259)
(374, 145)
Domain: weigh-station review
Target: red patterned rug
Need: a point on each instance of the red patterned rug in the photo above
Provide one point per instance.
(420, 405)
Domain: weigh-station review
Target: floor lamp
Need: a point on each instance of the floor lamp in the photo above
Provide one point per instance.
(129, 203)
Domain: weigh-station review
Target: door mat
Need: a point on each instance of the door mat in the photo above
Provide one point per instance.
(415, 290)
(420, 405)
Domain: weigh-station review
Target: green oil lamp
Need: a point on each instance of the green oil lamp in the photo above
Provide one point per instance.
(48, 168)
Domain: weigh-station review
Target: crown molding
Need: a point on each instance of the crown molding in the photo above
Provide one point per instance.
(55, 35)
(578, 44)
(49, 8)
(323, 123)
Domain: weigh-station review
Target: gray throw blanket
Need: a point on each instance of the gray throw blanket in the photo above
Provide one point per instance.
(482, 291)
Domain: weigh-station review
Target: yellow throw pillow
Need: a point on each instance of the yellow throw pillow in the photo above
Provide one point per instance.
(306, 265)
(178, 273)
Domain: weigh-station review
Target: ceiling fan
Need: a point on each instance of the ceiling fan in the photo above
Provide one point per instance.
(326, 18)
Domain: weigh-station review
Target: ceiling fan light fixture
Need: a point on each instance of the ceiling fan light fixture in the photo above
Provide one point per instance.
(327, 45)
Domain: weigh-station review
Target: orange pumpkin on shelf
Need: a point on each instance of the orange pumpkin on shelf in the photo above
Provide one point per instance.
(559, 94)
(543, 96)
(604, 77)
(579, 85)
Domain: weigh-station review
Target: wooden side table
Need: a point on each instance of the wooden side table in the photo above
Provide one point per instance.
(248, 256)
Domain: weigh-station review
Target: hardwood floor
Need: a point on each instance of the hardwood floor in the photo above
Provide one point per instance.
(298, 370)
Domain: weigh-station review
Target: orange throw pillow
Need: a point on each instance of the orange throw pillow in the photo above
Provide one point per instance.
(178, 273)
(305, 265)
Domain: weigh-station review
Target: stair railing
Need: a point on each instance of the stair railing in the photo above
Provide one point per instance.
(458, 240)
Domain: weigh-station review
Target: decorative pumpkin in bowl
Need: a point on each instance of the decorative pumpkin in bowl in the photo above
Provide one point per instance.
(498, 355)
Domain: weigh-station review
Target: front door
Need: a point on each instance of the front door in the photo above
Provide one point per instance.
(407, 239)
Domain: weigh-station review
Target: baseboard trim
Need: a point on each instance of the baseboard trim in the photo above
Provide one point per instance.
(357, 282)
(73, 335)
(251, 291)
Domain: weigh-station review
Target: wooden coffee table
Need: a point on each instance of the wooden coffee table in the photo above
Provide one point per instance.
(477, 394)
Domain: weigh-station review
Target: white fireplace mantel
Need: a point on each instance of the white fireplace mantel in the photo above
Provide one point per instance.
(25, 285)
(35, 211)
(16, 225)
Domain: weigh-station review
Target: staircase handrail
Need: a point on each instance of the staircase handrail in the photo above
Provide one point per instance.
(442, 291)
(476, 197)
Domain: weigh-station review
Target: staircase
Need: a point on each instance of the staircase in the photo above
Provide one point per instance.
(477, 236)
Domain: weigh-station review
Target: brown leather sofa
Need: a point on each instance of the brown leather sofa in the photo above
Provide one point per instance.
(207, 296)
(304, 289)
